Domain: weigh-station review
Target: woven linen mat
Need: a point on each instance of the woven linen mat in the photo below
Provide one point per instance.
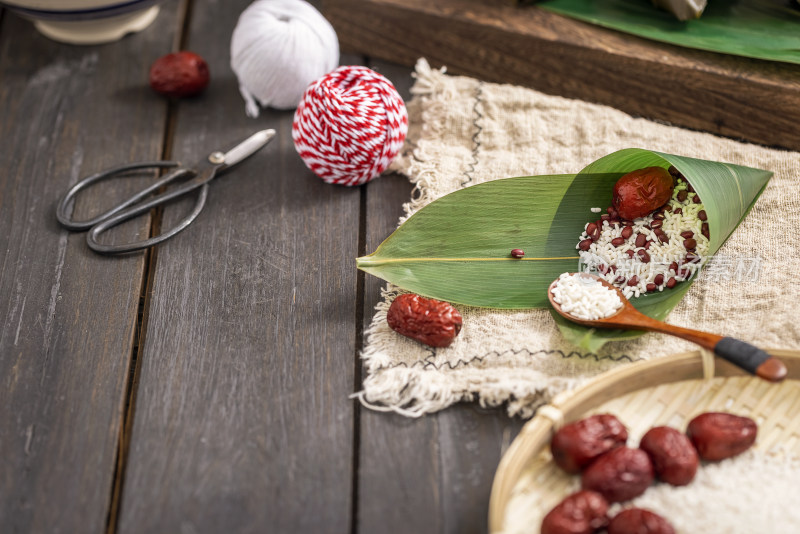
(464, 131)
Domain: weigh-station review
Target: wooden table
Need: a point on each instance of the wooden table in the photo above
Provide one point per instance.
(202, 386)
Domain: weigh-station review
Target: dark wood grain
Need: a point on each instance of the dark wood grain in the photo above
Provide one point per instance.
(758, 101)
(242, 420)
(433, 474)
(68, 315)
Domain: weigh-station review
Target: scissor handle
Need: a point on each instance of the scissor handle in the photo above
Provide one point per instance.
(96, 230)
(66, 220)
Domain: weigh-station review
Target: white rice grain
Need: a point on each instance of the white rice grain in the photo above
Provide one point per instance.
(585, 298)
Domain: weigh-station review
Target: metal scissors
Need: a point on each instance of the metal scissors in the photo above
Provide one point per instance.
(197, 176)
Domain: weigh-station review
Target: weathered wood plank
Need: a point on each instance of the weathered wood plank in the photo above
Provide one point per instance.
(242, 420)
(731, 96)
(68, 315)
(433, 474)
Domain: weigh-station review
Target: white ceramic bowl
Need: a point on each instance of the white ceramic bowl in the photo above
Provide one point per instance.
(86, 21)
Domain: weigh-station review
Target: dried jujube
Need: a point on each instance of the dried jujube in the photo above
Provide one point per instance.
(429, 321)
(620, 474)
(179, 74)
(639, 521)
(673, 456)
(720, 435)
(639, 192)
(583, 512)
(578, 444)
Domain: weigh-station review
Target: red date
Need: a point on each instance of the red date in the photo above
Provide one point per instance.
(620, 474)
(673, 455)
(639, 521)
(179, 75)
(583, 512)
(578, 444)
(432, 322)
(719, 435)
(640, 192)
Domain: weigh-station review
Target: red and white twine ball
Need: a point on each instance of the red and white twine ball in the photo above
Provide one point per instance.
(349, 125)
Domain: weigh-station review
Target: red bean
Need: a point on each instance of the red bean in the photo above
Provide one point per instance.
(690, 244)
(517, 253)
(678, 211)
(651, 287)
(627, 232)
(702, 215)
(704, 230)
(682, 196)
(686, 234)
(644, 257)
(673, 266)
(690, 188)
(696, 199)
(691, 257)
(662, 236)
(619, 280)
(671, 282)
(659, 279)
(633, 281)
(656, 224)
(585, 244)
(647, 244)
(629, 253)
(617, 241)
(593, 231)
(640, 240)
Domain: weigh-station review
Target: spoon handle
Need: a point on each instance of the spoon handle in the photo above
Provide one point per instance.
(750, 359)
(744, 355)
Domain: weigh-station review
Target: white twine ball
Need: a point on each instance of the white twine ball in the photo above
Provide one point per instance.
(278, 47)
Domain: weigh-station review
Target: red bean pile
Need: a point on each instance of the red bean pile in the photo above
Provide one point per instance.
(611, 472)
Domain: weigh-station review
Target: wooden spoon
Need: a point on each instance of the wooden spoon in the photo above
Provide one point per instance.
(744, 355)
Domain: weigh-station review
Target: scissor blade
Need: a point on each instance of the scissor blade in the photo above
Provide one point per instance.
(248, 147)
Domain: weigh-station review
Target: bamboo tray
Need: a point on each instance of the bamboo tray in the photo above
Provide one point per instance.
(665, 391)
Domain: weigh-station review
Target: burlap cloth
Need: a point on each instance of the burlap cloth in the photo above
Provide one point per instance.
(463, 132)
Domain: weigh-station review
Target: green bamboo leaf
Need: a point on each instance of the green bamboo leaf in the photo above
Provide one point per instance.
(728, 192)
(761, 29)
(457, 248)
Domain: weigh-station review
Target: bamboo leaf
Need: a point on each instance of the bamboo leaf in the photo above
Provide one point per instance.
(761, 29)
(458, 247)
(728, 192)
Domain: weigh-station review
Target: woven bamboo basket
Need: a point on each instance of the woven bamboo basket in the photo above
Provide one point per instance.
(665, 391)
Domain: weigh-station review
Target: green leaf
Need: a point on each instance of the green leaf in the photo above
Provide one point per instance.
(457, 248)
(761, 29)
